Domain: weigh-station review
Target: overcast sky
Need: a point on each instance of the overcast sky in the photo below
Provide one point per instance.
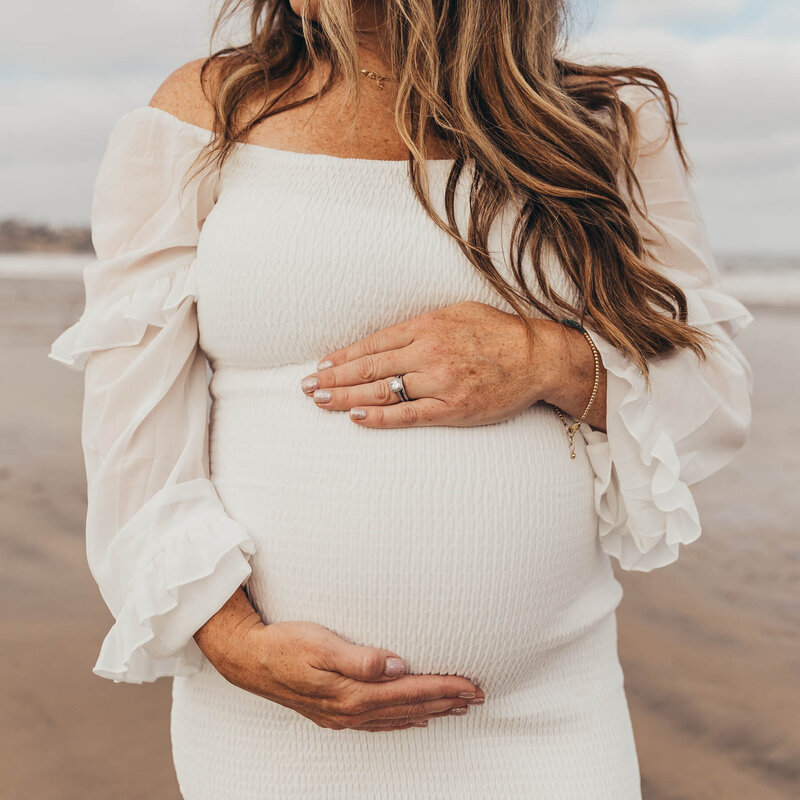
(69, 70)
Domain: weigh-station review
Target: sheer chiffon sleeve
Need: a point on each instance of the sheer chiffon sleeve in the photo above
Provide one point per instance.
(696, 414)
(164, 552)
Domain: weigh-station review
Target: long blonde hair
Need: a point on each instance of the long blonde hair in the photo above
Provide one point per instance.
(485, 77)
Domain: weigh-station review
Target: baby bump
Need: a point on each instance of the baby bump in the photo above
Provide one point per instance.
(462, 549)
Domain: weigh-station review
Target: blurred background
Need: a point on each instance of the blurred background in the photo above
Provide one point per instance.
(709, 645)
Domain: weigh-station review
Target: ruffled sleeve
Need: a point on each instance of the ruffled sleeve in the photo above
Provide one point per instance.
(164, 552)
(696, 414)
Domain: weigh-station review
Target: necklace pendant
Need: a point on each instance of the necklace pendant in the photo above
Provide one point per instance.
(374, 76)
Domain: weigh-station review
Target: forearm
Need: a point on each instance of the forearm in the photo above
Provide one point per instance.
(569, 367)
(220, 638)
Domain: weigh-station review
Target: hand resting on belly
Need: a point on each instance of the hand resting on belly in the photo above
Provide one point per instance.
(336, 684)
(463, 365)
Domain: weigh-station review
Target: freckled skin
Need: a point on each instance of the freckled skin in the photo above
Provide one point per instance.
(463, 365)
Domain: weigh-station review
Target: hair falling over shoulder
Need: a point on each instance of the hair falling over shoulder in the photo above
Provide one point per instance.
(485, 76)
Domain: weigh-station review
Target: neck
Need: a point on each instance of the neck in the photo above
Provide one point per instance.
(369, 21)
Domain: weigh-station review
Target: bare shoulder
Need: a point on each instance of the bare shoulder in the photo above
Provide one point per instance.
(186, 93)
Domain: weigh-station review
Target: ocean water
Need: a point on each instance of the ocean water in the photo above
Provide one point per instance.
(44, 266)
(753, 279)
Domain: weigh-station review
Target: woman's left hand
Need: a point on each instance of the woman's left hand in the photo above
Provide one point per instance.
(463, 365)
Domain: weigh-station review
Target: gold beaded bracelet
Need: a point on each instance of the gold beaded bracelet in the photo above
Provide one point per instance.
(573, 429)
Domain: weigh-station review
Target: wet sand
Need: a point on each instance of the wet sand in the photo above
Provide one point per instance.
(709, 645)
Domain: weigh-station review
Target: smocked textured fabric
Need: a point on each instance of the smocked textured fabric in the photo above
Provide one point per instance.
(482, 551)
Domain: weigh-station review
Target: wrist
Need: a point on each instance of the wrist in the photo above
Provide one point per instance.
(545, 360)
(568, 368)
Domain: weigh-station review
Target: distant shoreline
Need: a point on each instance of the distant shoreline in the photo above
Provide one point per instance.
(22, 237)
(17, 236)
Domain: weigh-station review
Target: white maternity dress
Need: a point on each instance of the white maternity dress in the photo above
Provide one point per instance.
(479, 551)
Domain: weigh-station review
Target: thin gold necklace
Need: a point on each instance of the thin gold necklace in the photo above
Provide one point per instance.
(379, 79)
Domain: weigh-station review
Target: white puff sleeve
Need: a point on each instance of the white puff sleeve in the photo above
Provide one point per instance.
(159, 543)
(696, 415)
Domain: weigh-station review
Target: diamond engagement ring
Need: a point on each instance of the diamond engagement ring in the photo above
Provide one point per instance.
(396, 385)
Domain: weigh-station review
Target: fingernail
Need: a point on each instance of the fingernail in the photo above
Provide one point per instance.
(358, 413)
(466, 695)
(476, 701)
(394, 667)
(325, 364)
(322, 395)
(459, 710)
(423, 724)
(309, 383)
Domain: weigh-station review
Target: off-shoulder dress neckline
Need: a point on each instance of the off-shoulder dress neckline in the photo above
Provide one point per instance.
(282, 153)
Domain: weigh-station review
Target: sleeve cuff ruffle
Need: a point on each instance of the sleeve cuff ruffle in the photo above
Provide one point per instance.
(642, 473)
(645, 510)
(123, 321)
(181, 588)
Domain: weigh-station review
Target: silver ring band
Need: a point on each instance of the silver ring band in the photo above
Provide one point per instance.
(396, 385)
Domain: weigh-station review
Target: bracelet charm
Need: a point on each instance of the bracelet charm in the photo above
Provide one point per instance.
(573, 428)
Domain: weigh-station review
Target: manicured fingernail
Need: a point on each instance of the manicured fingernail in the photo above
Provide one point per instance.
(466, 695)
(309, 383)
(423, 724)
(394, 667)
(358, 413)
(476, 701)
(459, 710)
(325, 364)
(322, 395)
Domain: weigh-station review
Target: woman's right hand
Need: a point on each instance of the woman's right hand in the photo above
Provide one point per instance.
(306, 667)
(335, 683)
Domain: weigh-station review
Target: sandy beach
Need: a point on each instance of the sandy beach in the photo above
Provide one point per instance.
(709, 645)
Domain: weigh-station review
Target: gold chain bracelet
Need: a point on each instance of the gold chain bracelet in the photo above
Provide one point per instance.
(573, 429)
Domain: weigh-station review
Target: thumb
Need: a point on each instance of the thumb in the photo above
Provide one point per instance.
(367, 663)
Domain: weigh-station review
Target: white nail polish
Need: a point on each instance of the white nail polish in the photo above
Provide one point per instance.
(394, 666)
(323, 395)
(358, 413)
(307, 384)
(325, 364)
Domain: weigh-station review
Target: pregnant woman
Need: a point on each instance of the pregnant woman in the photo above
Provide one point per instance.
(412, 248)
